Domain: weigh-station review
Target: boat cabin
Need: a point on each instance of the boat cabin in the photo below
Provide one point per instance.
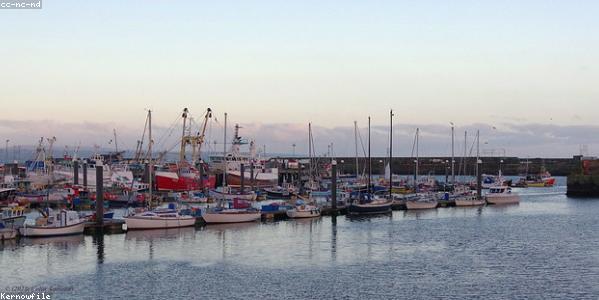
(500, 190)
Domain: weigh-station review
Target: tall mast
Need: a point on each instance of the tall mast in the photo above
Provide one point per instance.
(369, 159)
(465, 151)
(225, 154)
(416, 174)
(477, 151)
(356, 144)
(183, 139)
(150, 153)
(452, 154)
(116, 144)
(390, 154)
(310, 153)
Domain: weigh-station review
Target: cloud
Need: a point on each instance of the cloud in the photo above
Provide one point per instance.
(514, 139)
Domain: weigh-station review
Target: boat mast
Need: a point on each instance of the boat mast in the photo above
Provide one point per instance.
(310, 155)
(356, 143)
(150, 154)
(416, 171)
(465, 153)
(226, 165)
(183, 139)
(477, 152)
(390, 154)
(369, 160)
(116, 144)
(452, 154)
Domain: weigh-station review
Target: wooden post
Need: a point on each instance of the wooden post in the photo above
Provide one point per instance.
(334, 186)
(99, 195)
(75, 172)
(201, 171)
(242, 173)
(479, 178)
(252, 175)
(85, 174)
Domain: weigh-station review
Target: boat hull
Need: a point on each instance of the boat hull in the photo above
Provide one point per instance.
(297, 214)
(469, 202)
(170, 181)
(261, 180)
(8, 234)
(219, 218)
(411, 204)
(142, 222)
(369, 208)
(503, 199)
(41, 231)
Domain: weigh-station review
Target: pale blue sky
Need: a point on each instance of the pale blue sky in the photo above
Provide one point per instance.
(329, 62)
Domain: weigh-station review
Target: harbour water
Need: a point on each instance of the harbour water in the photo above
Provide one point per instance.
(545, 247)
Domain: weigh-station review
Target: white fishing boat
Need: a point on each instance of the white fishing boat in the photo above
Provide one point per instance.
(502, 195)
(63, 222)
(158, 219)
(231, 215)
(468, 200)
(302, 210)
(462, 196)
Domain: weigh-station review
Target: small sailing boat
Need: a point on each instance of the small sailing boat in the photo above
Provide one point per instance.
(303, 210)
(240, 212)
(369, 203)
(160, 218)
(462, 194)
(420, 201)
(231, 215)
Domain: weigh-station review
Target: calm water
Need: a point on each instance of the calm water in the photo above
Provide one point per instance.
(545, 247)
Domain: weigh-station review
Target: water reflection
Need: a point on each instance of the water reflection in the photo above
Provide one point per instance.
(159, 234)
(334, 238)
(98, 241)
(67, 242)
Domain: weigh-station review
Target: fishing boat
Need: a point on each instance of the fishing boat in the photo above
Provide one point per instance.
(13, 217)
(55, 223)
(255, 170)
(158, 219)
(186, 175)
(231, 215)
(468, 199)
(502, 195)
(543, 179)
(303, 210)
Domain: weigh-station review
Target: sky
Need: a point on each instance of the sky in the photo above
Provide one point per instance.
(529, 69)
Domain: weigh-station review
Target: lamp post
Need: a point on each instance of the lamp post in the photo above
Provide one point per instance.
(293, 145)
